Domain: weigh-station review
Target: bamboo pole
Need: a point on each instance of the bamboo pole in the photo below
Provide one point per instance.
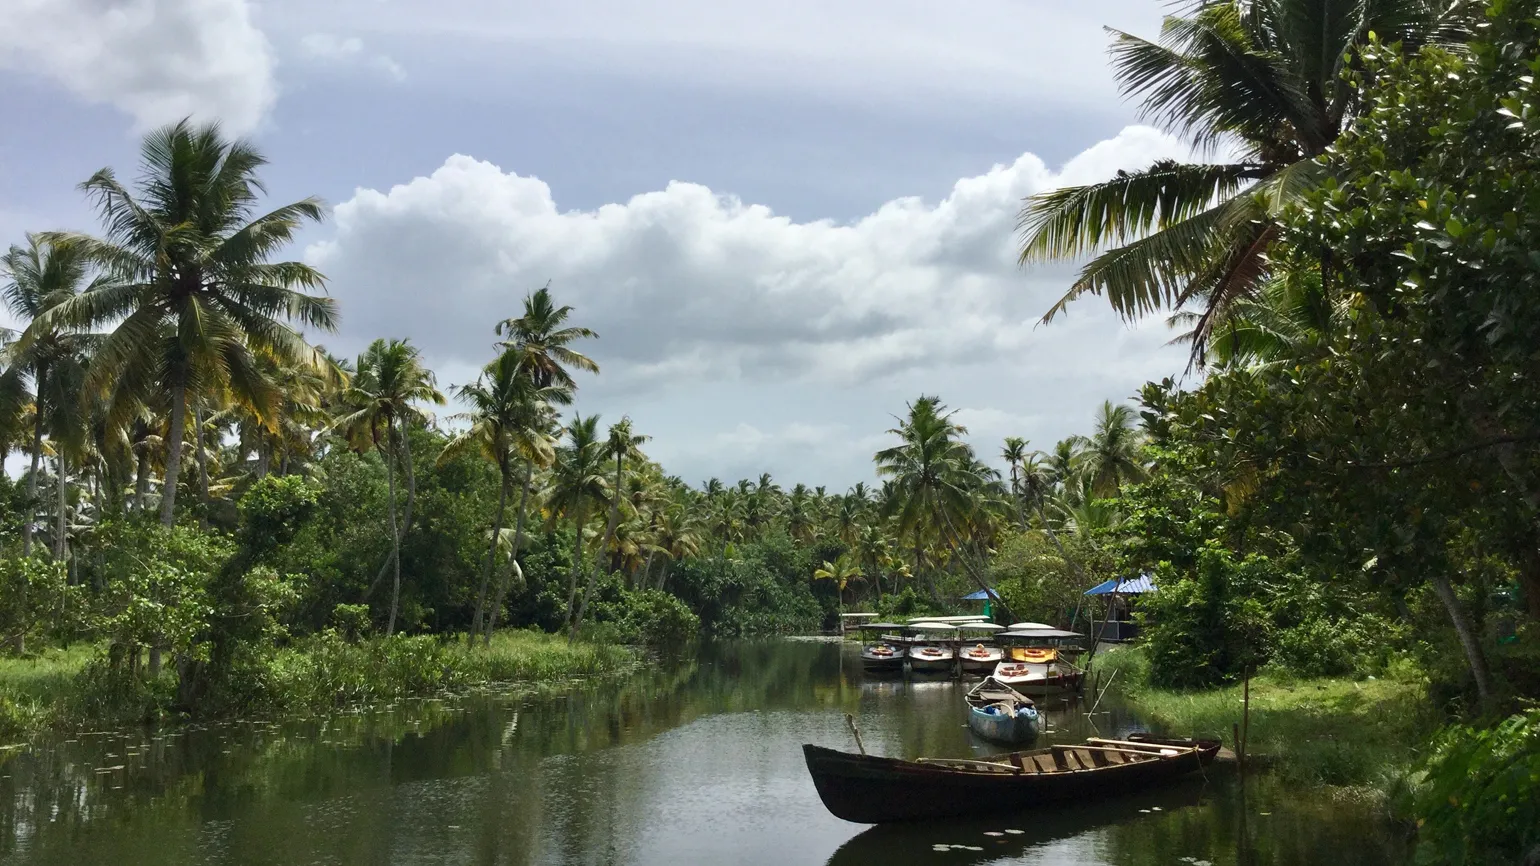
(850, 721)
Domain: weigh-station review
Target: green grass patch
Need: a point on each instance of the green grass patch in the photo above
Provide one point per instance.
(70, 690)
(1331, 731)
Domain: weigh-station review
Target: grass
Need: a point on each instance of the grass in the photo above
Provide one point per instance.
(1332, 731)
(71, 689)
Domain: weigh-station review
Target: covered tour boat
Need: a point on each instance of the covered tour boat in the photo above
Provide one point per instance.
(1001, 714)
(1035, 660)
(978, 654)
(867, 789)
(933, 649)
(879, 655)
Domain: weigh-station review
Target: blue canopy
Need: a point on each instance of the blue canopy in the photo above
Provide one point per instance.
(1126, 586)
(979, 595)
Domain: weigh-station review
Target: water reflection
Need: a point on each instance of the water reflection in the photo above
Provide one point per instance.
(692, 760)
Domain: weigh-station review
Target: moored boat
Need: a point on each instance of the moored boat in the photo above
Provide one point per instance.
(879, 655)
(867, 789)
(999, 713)
(1034, 661)
(981, 658)
(933, 649)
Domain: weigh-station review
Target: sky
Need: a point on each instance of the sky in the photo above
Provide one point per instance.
(785, 221)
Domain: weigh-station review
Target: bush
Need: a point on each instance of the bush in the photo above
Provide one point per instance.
(657, 618)
(1206, 627)
(1478, 796)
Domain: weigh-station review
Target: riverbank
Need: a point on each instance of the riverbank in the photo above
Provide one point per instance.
(65, 690)
(1358, 736)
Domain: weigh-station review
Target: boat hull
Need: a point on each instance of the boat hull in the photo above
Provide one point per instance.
(938, 661)
(1050, 679)
(983, 665)
(870, 790)
(1010, 729)
(892, 663)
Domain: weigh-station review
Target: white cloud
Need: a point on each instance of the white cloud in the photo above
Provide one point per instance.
(685, 283)
(758, 337)
(157, 60)
(329, 48)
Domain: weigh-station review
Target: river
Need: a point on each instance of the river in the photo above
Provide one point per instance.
(694, 760)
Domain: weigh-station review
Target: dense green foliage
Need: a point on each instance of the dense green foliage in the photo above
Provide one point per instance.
(1479, 793)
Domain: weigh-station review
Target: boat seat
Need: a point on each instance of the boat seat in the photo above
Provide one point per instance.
(1017, 762)
(1045, 764)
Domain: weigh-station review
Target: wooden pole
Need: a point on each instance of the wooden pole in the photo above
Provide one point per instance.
(850, 721)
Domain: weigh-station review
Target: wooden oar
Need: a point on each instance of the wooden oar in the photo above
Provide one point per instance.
(1132, 745)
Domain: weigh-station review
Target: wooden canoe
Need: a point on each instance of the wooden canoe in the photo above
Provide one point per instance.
(866, 789)
(999, 713)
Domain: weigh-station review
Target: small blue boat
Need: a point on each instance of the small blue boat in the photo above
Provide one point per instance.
(999, 713)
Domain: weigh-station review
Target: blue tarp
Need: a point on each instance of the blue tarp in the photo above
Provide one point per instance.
(980, 596)
(1127, 586)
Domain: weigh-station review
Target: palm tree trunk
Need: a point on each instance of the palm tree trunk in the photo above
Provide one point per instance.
(486, 576)
(646, 570)
(264, 457)
(1468, 641)
(577, 563)
(141, 479)
(203, 469)
(609, 533)
(37, 456)
(173, 454)
(395, 536)
(513, 555)
(61, 505)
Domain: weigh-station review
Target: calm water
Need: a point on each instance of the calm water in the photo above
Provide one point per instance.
(696, 761)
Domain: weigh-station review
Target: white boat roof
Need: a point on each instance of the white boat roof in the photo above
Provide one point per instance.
(975, 617)
(1026, 625)
(933, 626)
(859, 615)
(980, 626)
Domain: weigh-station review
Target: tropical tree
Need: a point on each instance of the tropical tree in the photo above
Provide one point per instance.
(1014, 452)
(41, 277)
(1260, 81)
(622, 445)
(842, 572)
(578, 487)
(1112, 454)
(381, 404)
(934, 476)
(189, 284)
(542, 337)
(508, 421)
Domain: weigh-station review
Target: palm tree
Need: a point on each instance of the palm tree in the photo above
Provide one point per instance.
(677, 537)
(381, 403)
(539, 334)
(40, 278)
(1112, 454)
(1260, 79)
(508, 415)
(621, 444)
(189, 282)
(1014, 452)
(842, 571)
(933, 473)
(578, 486)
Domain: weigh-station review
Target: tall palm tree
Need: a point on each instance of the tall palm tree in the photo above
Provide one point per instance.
(578, 486)
(1260, 80)
(508, 413)
(381, 404)
(842, 572)
(622, 445)
(41, 277)
(933, 473)
(1014, 452)
(541, 335)
(189, 282)
(1112, 454)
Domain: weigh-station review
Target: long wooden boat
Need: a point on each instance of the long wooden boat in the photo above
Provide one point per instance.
(999, 713)
(867, 789)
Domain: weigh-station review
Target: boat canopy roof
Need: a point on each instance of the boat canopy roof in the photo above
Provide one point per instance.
(880, 625)
(980, 626)
(1044, 632)
(933, 626)
(972, 617)
(859, 615)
